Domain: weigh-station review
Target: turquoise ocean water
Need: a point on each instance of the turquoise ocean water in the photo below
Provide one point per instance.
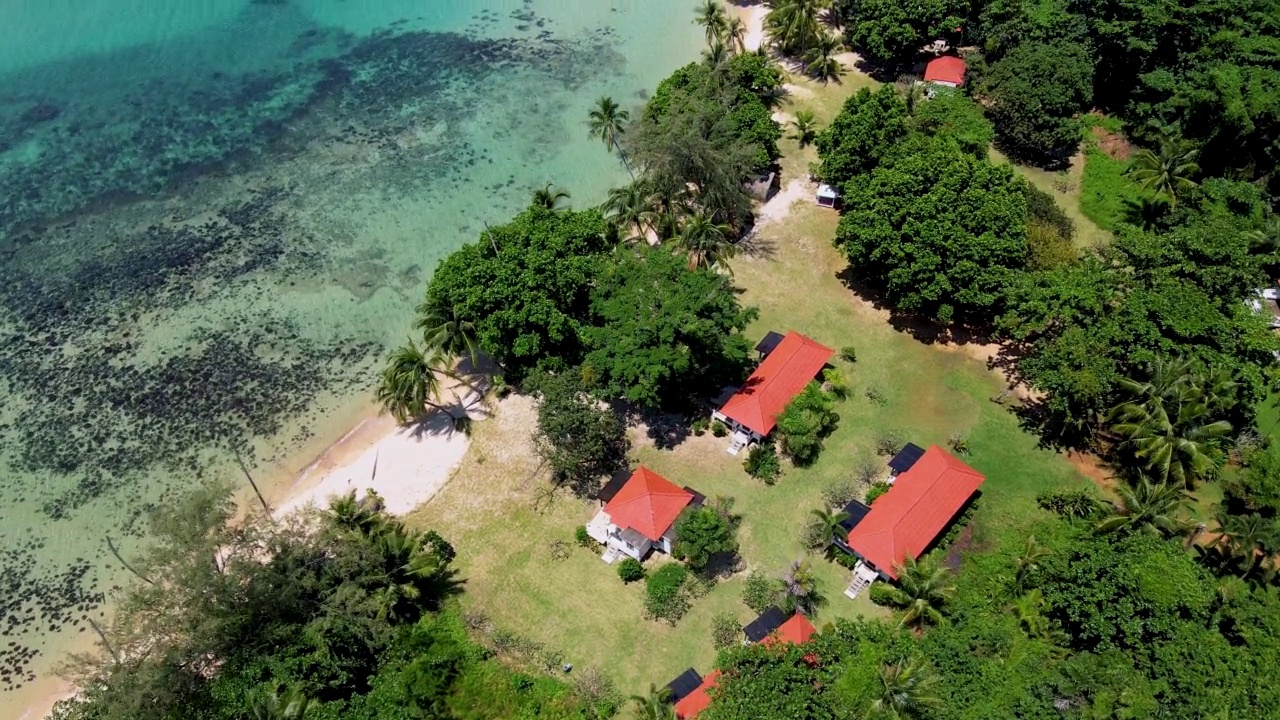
(215, 215)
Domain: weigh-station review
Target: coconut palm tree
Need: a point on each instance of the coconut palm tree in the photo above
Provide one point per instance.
(412, 574)
(411, 382)
(713, 19)
(819, 58)
(792, 25)
(1168, 425)
(1029, 609)
(267, 704)
(826, 525)
(655, 706)
(907, 690)
(735, 35)
(924, 587)
(632, 208)
(549, 197)
(1168, 173)
(607, 123)
(1028, 563)
(706, 242)
(443, 330)
(1147, 507)
(716, 54)
(1247, 538)
(805, 125)
(799, 591)
(363, 516)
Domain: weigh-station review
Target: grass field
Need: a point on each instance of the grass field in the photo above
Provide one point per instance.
(498, 513)
(1067, 187)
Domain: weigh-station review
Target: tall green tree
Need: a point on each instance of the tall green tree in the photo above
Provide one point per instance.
(702, 533)
(410, 383)
(805, 422)
(1034, 94)
(654, 706)
(633, 209)
(443, 330)
(549, 197)
(820, 58)
(908, 689)
(867, 127)
(713, 19)
(579, 440)
(826, 525)
(706, 242)
(607, 122)
(792, 25)
(887, 32)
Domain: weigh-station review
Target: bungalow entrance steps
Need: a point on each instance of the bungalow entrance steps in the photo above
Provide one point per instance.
(737, 442)
(610, 554)
(863, 576)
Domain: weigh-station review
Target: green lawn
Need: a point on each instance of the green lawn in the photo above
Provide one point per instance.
(1067, 187)
(497, 513)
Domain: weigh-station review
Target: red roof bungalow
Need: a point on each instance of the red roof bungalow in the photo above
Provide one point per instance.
(914, 512)
(638, 513)
(698, 700)
(795, 631)
(947, 70)
(752, 411)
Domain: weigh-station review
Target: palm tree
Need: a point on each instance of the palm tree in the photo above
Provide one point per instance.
(1028, 563)
(363, 516)
(1145, 212)
(715, 54)
(924, 587)
(805, 124)
(713, 19)
(655, 706)
(827, 525)
(800, 589)
(1168, 173)
(907, 690)
(1149, 507)
(735, 35)
(271, 705)
(411, 382)
(443, 330)
(1247, 538)
(792, 25)
(706, 242)
(1167, 424)
(549, 197)
(607, 122)
(632, 208)
(1029, 609)
(410, 572)
(820, 61)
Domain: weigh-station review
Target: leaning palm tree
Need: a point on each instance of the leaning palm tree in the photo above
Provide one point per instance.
(826, 525)
(549, 197)
(411, 382)
(820, 58)
(805, 125)
(792, 25)
(632, 208)
(655, 706)
(735, 35)
(1249, 539)
(706, 242)
(713, 19)
(1147, 507)
(443, 330)
(924, 587)
(267, 704)
(607, 123)
(1168, 173)
(907, 690)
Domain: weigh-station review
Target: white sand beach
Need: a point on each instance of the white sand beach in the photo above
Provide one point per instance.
(753, 16)
(406, 466)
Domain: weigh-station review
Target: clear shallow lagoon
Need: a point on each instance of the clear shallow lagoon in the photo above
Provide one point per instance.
(215, 215)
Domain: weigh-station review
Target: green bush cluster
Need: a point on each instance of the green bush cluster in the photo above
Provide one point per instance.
(630, 570)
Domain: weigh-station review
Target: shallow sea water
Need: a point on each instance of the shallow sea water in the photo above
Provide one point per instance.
(215, 216)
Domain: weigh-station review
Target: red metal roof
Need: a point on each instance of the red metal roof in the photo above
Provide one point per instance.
(948, 69)
(777, 380)
(797, 630)
(916, 509)
(648, 503)
(698, 700)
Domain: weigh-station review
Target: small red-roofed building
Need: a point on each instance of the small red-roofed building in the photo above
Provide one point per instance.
(948, 71)
(916, 510)
(695, 702)
(751, 413)
(638, 514)
(795, 631)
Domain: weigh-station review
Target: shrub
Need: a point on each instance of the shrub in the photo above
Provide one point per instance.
(837, 494)
(805, 422)
(889, 442)
(725, 631)
(559, 550)
(1069, 503)
(719, 429)
(849, 353)
(834, 382)
(757, 592)
(813, 537)
(762, 463)
(597, 691)
(699, 426)
(876, 491)
(881, 594)
(630, 570)
(702, 532)
(959, 443)
(845, 560)
(581, 537)
(875, 395)
(665, 597)
(866, 471)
